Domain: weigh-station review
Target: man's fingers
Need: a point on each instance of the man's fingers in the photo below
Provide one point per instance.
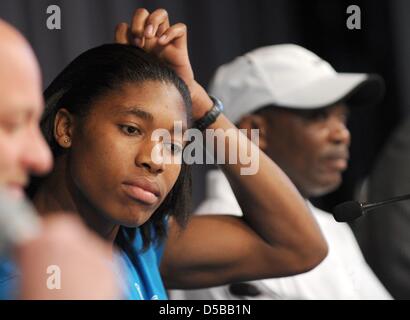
(121, 33)
(177, 32)
(157, 21)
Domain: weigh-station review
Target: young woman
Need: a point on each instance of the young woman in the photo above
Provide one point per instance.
(101, 112)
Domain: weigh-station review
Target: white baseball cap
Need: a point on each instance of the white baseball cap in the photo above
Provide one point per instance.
(289, 76)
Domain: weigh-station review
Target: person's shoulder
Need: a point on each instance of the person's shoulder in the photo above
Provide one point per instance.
(333, 230)
(327, 222)
(9, 276)
(155, 250)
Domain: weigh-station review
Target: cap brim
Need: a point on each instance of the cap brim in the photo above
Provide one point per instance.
(356, 89)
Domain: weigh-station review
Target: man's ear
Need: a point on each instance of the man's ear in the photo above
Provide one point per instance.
(63, 128)
(255, 121)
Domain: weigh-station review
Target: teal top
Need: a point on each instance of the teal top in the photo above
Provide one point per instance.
(139, 276)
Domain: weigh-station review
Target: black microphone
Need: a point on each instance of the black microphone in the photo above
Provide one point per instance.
(351, 210)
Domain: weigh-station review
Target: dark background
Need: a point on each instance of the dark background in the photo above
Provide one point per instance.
(219, 30)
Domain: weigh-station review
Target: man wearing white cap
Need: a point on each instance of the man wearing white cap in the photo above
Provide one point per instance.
(300, 104)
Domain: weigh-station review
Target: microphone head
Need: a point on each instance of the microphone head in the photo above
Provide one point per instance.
(347, 211)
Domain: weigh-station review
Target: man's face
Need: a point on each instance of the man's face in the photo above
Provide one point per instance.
(310, 146)
(22, 147)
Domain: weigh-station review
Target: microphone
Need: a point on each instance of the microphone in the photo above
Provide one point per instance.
(351, 210)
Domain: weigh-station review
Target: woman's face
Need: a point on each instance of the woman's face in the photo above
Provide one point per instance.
(110, 158)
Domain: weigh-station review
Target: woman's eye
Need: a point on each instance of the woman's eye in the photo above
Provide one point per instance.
(174, 148)
(130, 130)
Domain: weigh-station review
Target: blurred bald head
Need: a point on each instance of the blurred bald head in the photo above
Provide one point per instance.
(19, 69)
(22, 147)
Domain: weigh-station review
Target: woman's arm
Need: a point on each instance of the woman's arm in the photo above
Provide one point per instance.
(277, 234)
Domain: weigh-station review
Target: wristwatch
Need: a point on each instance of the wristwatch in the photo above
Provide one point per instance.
(211, 116)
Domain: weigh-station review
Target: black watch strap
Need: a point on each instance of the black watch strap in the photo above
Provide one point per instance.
(211, 116)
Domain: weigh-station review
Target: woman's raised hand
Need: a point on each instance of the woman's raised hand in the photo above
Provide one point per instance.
(153, 33)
